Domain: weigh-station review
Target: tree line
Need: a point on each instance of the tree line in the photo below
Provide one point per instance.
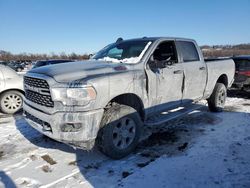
(208, 52)
(7, 56)
(225, 50)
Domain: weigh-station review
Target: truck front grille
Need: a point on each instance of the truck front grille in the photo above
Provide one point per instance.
(37, 91)
(44, 100)
(36, 82)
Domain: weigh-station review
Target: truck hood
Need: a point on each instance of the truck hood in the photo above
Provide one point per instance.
(66, 72)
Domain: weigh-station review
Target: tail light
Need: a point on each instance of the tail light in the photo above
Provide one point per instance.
(245, 73)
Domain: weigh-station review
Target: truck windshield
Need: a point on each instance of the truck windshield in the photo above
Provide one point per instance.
(124, 52)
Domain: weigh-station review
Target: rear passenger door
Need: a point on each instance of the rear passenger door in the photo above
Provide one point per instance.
(195, 73)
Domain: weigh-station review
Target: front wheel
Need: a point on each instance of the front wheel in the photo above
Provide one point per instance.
(11, 102)
(120, 132)
(217, 100)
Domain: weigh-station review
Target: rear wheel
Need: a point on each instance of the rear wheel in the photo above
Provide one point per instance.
(120, 132)
(11, 102)
(217, 100)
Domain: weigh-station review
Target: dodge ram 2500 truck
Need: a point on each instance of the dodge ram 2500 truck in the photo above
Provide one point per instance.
(126, 85)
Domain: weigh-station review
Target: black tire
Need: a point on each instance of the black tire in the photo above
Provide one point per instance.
(217, 100)
(11, 101)
(120, 132)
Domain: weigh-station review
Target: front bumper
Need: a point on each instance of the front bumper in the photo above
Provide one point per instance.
(88, 124)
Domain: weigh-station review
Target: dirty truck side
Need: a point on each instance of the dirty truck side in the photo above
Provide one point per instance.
(126, 85)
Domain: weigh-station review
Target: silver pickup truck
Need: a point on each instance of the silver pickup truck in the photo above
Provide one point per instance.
(126, 85)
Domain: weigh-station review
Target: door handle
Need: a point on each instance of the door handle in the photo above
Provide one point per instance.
(178, 72)
(202, 68)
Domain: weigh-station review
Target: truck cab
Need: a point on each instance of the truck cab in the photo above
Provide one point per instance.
(181, 60)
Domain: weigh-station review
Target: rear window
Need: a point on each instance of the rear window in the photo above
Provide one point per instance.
(188, 51)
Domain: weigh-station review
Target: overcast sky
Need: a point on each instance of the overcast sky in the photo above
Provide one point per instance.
(45, 26)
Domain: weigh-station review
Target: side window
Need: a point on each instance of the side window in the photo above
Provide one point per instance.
(166, 51)
(188, 51)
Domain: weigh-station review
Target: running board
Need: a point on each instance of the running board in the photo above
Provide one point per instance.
(165, 116)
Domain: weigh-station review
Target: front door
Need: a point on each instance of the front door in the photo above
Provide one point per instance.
(165, 82)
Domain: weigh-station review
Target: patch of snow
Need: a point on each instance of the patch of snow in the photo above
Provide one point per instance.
(201, 150)
(221, 158)
(28, 182)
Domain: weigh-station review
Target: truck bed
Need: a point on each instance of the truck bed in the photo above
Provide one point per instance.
(217, 68)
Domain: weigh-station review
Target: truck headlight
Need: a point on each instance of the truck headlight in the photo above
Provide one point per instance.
(74, 96)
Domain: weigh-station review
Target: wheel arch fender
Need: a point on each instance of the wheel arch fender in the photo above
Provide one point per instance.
(13, 89)
(130, 99)
(223, 79)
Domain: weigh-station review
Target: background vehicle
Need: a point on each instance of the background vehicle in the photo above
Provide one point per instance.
(242, 73)
(126, 85)
(3, 63)
(50, 62)
(11, 90)
(16, 66)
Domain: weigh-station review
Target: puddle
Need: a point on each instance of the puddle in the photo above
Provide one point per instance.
(160, 138)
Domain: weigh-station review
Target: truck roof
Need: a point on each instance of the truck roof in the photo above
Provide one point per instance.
(157, 38)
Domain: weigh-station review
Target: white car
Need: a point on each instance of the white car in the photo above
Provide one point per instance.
(11, 90)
